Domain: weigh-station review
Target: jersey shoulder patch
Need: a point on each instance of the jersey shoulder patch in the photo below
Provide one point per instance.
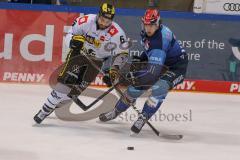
(113, 30)
(82, 20)
(167, 33)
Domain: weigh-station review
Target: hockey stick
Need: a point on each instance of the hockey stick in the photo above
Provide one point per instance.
(86, 107)
(167, 136)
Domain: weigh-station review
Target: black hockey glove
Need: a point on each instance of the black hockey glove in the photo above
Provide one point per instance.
(114, 73)
(77, 42)
(110, 76)
(142, 58)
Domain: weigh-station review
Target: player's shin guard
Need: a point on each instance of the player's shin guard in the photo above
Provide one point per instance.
(49, 106)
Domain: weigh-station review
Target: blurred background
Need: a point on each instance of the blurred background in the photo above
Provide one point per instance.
(195, 22)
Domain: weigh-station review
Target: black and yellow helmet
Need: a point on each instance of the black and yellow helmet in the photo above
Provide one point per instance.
(107, 11)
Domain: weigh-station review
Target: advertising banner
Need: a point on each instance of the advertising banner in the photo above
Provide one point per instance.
(231, 7)
(32, 44)
(32, 47)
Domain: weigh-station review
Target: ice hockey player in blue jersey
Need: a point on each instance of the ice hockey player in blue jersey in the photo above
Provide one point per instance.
(162, 49)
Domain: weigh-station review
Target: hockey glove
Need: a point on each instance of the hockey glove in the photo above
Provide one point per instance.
(114, 74)
(77, 42)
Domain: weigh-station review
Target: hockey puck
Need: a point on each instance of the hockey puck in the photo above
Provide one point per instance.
(130, 148)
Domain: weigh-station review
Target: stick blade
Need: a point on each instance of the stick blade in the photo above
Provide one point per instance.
(171, 137)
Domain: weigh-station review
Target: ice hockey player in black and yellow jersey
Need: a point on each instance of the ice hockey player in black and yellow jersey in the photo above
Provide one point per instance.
(90, 34)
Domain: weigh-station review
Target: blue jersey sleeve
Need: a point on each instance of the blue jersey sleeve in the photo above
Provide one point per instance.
(174, 52)
(171, 46)
(175, 48)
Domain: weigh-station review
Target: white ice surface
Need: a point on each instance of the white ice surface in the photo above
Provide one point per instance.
(213, 133)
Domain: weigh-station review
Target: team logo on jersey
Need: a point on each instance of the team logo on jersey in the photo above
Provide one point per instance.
(168, 35)
(82, 20)
(97, 43)
(112, 30)
(93, 40)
